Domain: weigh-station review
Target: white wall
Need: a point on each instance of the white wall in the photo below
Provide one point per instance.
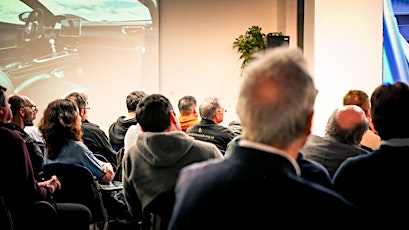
(343, 43)
(196, 46)
(347, 46)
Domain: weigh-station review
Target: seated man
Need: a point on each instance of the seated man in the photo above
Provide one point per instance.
(370, 140)
(151, 166)
(259, 186)
(117, 130)
(212, 114)
(94, 138)
(188, 114)
(343, 134)
(22, 190)
(24, 112)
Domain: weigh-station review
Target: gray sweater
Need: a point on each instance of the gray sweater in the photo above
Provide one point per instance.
(152, 165)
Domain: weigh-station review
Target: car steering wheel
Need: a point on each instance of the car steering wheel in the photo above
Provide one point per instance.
(34, 28)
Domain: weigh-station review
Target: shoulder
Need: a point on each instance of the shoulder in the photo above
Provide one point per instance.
(77, 146)
(8, 135)
(206, 148)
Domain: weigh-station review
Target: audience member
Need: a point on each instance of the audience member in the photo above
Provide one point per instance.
(235, 127)
(94, 138)
(151, 166)
(376, 182)
(131, 135)
(343, 134)
(259, 185)
(34, 133)
(309, 169)
(212, 114)
(21, 190)
(370, 140)
(117, 129)
(24, 111)
(61, 130)
(188, 114)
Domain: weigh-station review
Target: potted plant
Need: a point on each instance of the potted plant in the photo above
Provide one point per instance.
(251, 42)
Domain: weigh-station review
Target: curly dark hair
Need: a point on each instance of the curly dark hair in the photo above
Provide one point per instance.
(59, 125)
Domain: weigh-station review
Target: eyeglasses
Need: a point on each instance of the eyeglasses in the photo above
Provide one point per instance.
(33, 107)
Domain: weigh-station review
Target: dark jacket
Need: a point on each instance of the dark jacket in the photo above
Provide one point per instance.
(97, 141)
(19, 186)
(117, 131)
(377, 184)
(253, 189)
(329, 152)
(209, 131)
(34, 150)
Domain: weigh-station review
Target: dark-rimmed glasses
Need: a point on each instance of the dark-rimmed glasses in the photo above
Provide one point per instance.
(32, 107)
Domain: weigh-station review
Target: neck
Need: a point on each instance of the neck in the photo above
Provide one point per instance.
(17, 121)
(130, 115)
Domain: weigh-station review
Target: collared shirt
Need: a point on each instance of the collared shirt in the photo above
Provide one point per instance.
(396, 142)
(269, 149)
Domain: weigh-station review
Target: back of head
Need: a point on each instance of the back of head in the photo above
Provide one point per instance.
(133, 99)
(3, 95)
(153, 113)
(5, 114)
(347, 124)
(80, 99)
(186, 104)
(359, 98)
(276, 98)
(59, 125)
(390, 111)
(209, 107)
(16, 102)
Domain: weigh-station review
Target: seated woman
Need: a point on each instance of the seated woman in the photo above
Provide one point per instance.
(61, 130)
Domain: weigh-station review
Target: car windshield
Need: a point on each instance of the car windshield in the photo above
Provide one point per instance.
(96, 10)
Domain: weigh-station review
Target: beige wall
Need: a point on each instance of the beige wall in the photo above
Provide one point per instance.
(343, 42)
(347, 51)
(196, 54)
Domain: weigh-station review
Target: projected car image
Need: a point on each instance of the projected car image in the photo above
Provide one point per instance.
(49, 48)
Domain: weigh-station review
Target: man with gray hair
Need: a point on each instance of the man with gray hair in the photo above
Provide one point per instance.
(212, 113)
(259, 185)
(342, 138)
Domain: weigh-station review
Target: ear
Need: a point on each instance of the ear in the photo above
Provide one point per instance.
(82, 112)
(173, 118)
(174, 121)
(22, 112)
(309, 122)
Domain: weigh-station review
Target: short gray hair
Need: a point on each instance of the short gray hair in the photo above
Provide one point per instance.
(277, 97)
(209, 107)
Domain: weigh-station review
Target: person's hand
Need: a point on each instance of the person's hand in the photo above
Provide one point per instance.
(52, 183)
(109, 173)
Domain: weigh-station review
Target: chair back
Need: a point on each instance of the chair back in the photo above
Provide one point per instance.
(78, 185)
(6, 221)
(159, 211)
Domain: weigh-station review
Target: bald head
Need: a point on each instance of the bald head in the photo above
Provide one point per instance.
(349, 116)
(347, 124)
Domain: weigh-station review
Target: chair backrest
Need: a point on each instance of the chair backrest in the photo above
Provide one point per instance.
(6, 221)
(101, 157)
(159, 210)
(78, 186)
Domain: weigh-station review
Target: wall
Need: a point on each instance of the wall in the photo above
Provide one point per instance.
(347, 50)
(196, 54)
(342, 42)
